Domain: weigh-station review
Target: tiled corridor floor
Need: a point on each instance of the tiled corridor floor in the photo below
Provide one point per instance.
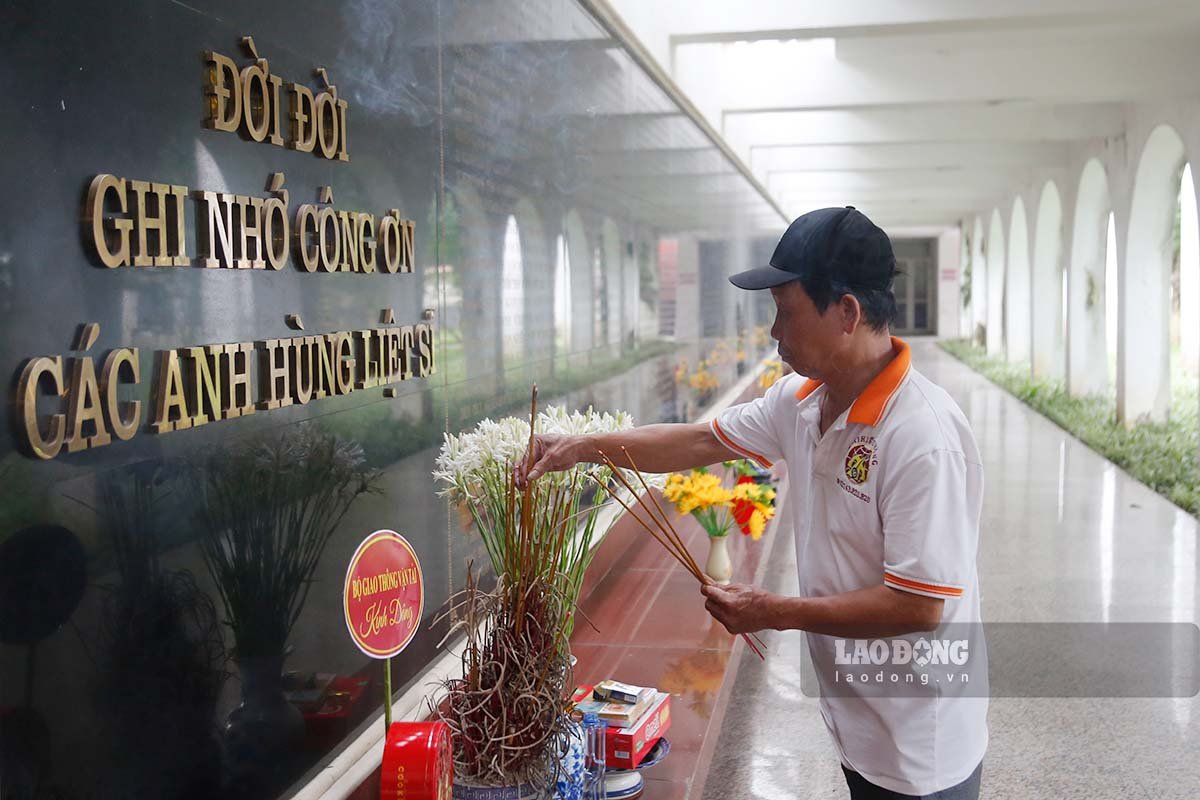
(1066, 537)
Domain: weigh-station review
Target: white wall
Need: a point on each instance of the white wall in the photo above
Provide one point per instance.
(949, 280)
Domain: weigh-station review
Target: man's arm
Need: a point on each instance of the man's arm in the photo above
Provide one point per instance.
(875, 612)
(653, 448)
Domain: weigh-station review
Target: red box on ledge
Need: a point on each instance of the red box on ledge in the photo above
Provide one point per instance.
(626, 747)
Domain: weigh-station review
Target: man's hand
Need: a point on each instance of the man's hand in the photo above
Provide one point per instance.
(741, 609)
(871, 613)
(551, 453)
(663, 447)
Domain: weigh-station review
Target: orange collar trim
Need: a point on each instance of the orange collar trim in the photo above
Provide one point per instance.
(810, 386)
(868, 408)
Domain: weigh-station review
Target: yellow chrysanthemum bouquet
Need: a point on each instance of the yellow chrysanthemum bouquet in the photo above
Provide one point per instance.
(718, 508)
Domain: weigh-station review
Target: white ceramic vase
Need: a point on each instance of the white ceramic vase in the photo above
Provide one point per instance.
(719, 567)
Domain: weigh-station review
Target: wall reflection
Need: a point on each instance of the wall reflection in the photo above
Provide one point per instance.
(170, 612)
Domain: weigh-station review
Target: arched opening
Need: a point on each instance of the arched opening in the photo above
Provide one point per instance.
(1087, 359)
(995, 286)
(1111, 298)
(562, 296)
(1017, 297)
(1048, 282)
(1189, 281)
(600, 289)
(1186, 281)
(979, 275)
(512, 295)
(1144, 279)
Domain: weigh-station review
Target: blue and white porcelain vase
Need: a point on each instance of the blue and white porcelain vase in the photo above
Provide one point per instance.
(568, 787)
(570, 782)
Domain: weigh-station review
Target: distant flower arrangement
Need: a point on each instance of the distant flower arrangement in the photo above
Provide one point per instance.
(772, 373)
(704, 381)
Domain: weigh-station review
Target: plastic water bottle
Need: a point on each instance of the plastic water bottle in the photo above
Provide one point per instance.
(594, 757)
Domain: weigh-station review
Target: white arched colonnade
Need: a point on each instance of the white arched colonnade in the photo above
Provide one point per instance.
(1043, 262)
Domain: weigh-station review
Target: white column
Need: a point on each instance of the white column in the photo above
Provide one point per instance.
(1017, 295)
(1144, 279)
(995, 286)
(1048, 356)
(979, 280)
(949, 283)
(1087, 364)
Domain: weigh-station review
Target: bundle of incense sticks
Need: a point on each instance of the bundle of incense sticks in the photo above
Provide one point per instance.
(659, 526)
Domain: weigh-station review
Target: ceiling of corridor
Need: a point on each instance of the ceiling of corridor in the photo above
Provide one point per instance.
(919, 112)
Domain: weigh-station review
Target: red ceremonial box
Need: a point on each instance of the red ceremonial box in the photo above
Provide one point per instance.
(626, 747)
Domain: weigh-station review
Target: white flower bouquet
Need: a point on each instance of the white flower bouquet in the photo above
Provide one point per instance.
(476, 467)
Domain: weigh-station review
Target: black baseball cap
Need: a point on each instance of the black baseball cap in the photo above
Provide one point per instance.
(840, 243)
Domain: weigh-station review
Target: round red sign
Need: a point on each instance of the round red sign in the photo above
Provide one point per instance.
(384, 594)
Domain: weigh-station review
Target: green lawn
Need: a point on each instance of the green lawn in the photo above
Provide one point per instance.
(1161, 455)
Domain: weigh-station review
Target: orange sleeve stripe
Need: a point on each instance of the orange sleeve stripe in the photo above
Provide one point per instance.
(725, 440)
(907, 583)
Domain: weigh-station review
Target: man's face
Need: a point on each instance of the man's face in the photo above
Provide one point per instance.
(808, 340)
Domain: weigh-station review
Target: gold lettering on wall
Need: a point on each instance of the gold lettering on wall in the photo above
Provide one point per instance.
(303, 367)
(426, 366)
(170, 409)
(81, 402)
(123, 417)
(223, 93)
(345, 362)
(84, 406)
(132, 222)
(239, 400)
(250, 101)
(44, 442)
(109, 234)
(204, 389)
(166, 223)
(275, 374)
(196, 385)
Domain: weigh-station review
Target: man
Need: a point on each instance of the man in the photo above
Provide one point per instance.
(886, 487)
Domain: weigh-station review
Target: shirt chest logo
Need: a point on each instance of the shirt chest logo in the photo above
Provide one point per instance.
(860, 458)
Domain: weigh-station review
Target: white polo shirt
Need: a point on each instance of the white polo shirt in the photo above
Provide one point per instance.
(891, 494)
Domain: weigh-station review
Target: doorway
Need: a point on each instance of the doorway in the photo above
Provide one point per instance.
(915, 286)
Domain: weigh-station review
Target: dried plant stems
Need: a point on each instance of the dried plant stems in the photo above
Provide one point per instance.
(506, 712)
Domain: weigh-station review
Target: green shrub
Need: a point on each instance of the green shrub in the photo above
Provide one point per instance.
(1161, 455)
